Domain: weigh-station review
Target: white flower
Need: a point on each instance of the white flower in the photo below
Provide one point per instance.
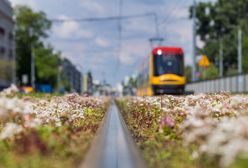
(10, 90)
(217, 123)
(235, 100)
(33, 123)
(10, 130)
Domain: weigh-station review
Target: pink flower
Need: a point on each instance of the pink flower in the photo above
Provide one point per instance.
(167, 121)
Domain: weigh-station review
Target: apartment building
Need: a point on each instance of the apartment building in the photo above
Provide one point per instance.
(7, 45)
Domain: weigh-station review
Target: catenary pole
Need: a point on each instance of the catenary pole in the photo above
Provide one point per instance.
(32, 60)
(194, 42)
(240, 78)
(221, 59)
(239, 51)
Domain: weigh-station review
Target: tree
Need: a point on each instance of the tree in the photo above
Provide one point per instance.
(31, 28)
(6, 69)
(46, 63)
(219, 23)
(188, 73)
(210, 72)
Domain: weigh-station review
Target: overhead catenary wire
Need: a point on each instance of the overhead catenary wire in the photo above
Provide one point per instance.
(171, 12)
(158, 39)
(113, 18)
(99, 19)
(119, 18)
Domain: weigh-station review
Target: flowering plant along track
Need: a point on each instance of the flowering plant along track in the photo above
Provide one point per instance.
(203, 130)
(50, 131)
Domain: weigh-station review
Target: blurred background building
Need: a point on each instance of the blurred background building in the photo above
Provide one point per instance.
(7, 45)
(71, 74)
(87, 86)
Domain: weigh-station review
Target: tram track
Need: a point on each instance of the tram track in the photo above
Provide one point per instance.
(113, 147)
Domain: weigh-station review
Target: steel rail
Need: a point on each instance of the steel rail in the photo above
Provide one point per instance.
(113, 147)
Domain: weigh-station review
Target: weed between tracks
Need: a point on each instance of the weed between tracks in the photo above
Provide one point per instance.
(202, 130)
(50, 132)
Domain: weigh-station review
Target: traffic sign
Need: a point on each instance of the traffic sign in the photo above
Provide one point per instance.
(204, 61)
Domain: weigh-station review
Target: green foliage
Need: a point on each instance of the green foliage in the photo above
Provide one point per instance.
(31, 28)
(46, 61)
(240, 163)
(6, 67)
(219, 23)
(188, 73)
(245, 55)
(210, 72)
(232, 70)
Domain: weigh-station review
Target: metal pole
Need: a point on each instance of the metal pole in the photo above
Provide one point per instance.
(119, 38)
(32, 68)
(194, 43)
(240, 51)
(157, 37)
(59, 78)
(221, 59)
(156, 25)
(32, 61)
(14, 65)
(240, 79)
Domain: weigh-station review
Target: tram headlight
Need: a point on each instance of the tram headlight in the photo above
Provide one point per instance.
(159, 52)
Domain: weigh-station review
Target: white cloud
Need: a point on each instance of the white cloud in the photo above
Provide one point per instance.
(32, 3)
(71, 49)
(85, 33)
(139, 26)
(71, 29)
(102, 42)
(181, 13)
(133, 50)
(102, 36)
(66, 29)
(92, 6)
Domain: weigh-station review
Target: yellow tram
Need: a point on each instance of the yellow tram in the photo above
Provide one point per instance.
(162, 72)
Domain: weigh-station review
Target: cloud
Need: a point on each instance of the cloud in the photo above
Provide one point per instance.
(102, 42)
(66, 29)
(86, 43)
(181, 13)
(92, 6)
(85, 33)
(140, 26)
(71, 29)
(134, 50)
(32, 3)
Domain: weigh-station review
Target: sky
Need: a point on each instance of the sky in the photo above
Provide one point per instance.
(95, 46)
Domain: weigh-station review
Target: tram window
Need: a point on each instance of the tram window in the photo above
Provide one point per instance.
(164, 64)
